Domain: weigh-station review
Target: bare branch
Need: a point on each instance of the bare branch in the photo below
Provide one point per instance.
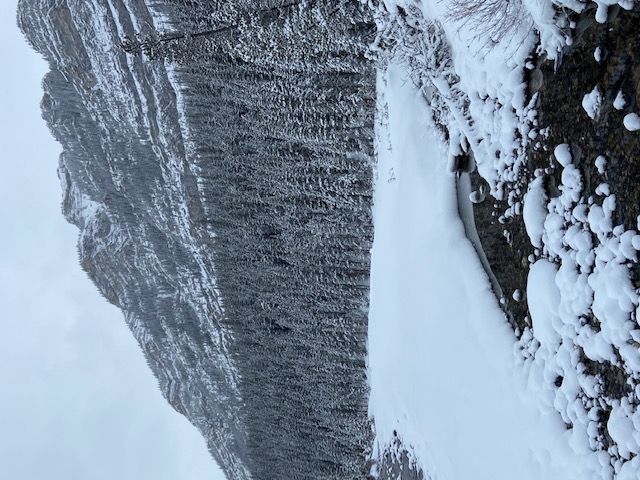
(490, 19)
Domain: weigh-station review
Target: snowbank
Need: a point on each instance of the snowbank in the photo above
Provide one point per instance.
(442, 372)
(481, 89)
(535, 211)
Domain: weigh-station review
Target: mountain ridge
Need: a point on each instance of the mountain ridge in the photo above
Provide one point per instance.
(240, 260)
(96, 151)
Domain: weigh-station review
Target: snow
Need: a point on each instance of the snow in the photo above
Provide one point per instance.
(598, 55)
(535, 211)
(442, 373)
(629, 470)
(602, 11)
(591, 257)
(632, 122)
(563, 154)
(544, 300)
(623, 432)
(620, 101)
(478, 196)
(592, 102)
(426, 282)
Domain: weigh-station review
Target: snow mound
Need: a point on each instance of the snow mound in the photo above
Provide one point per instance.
(563, 154)
(592, 102)
(544, 300)
(620, 101)
(535, 211)
(632, 122)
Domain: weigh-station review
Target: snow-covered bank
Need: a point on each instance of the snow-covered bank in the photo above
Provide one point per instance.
(479, 66)
(442, 372)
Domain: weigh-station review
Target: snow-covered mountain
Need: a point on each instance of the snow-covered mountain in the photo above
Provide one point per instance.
(128, 187)
(156, 175)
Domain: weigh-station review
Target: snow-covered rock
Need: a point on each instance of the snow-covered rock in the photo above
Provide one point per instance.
(592, 102)
(562, 153)
(543, 297)
(535, 211)
(632, 122)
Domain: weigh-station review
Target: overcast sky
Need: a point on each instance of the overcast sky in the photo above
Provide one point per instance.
(77, 400)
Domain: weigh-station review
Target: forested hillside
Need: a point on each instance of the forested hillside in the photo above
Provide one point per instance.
(279, 101)
(218, 160)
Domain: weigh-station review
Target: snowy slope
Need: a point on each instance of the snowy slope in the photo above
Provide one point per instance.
(443, 376)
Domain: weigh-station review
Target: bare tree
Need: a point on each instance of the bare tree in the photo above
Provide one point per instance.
(492, 19)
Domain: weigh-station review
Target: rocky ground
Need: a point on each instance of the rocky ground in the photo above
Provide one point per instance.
(561, 113)
(605, 57)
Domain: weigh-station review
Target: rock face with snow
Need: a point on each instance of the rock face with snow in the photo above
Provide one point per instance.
(223, 200)
(124, 177)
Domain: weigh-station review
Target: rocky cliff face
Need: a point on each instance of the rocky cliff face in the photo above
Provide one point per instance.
(271, 386)
(130, 190)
